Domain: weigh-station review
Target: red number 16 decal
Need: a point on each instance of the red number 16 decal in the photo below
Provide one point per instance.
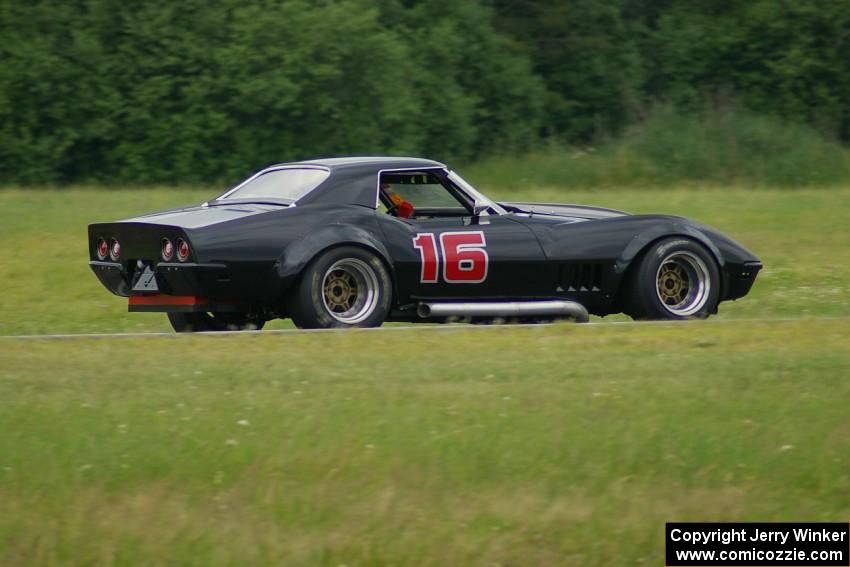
(465, 258)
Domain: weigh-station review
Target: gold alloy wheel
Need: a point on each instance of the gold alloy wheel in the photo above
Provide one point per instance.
(350, 290)
(682, 283)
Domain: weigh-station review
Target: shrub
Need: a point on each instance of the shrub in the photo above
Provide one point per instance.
(716, 147)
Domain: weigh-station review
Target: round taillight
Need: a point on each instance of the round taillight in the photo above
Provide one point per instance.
(182, 250)
(167, 250)
(115, 249)
(102, 249)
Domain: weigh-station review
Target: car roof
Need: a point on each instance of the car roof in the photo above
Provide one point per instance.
(354, 179)
(369, 162)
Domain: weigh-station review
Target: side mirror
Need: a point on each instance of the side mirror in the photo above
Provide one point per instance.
(479, 209)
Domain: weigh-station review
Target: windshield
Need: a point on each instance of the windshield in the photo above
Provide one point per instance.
(480, 198)
(279, 185)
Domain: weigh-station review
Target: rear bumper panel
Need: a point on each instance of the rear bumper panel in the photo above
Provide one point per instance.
(209, 280)
(184, 287)
(113, 277)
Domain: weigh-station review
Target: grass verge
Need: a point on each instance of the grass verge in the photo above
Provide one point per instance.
(549, 445)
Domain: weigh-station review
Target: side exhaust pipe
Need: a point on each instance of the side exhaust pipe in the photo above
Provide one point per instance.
(549, 308)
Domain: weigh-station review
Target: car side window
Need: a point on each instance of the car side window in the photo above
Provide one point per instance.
(418, 194)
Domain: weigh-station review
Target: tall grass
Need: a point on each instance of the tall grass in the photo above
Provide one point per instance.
(672, 148)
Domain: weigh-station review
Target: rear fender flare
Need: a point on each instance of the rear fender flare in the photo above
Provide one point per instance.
(300, 253)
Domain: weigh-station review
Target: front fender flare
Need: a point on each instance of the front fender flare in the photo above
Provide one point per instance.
(664, 230)
(301, 252)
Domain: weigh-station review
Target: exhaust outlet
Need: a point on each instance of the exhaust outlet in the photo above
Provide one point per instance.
(550, 308)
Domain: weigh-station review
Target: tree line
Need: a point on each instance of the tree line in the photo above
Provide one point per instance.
(156, 91)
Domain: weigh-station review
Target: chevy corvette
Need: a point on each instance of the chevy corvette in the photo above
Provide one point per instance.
(354, 242)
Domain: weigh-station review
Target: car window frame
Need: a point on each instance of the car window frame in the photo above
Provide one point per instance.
(223, 196)
(466, 201)
(477, 196)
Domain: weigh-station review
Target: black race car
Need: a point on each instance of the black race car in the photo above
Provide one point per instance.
(354, 242)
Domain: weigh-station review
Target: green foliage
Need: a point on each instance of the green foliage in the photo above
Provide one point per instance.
(789, 59)
(154, 91)
(160, 91)
(607, 63)
(585, 51)
(671, 147)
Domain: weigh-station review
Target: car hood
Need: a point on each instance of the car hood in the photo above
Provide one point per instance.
(570, 211)
(199, 216)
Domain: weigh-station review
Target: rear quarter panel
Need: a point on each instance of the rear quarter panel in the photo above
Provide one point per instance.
(266, 253)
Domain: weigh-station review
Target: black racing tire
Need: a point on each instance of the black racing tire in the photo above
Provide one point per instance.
(205, 322)
(343, 287)
(675, 278)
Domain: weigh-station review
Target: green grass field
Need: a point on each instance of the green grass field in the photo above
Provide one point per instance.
(551, 445)
(554, 445)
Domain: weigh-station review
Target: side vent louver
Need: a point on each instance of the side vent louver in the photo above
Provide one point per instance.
(581, 277)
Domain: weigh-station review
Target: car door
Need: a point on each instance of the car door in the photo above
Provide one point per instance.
(446, 252)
